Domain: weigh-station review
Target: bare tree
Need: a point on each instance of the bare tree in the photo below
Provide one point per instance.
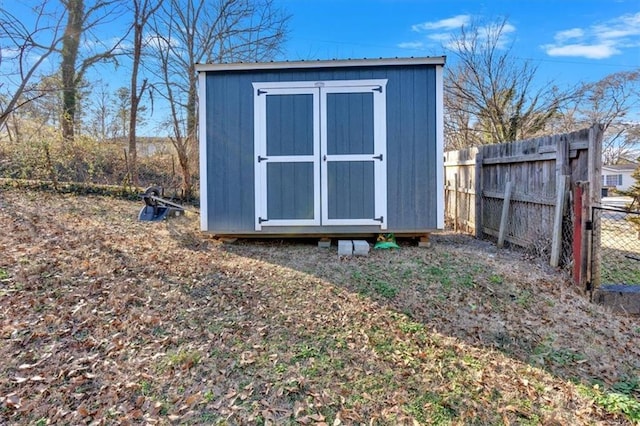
(143, 10)
(122, 113)
(24, 50)
(610, 102)
(101, 113)
(188, 32)
(81, 21)
(491, 96)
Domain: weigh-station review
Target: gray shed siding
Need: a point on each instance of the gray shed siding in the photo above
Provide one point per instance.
(411, 146)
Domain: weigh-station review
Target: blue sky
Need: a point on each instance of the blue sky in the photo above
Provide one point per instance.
(570, 40)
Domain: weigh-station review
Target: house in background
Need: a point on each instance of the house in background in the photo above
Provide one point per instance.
(326, 148)
(618, 176)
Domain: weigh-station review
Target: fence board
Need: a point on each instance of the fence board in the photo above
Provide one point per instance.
(474, 205)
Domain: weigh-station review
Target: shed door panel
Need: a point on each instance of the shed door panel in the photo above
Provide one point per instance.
(349, 123)
(287, 157)
(286, 200)
(350, 190)
(353, 142)
(289, 124)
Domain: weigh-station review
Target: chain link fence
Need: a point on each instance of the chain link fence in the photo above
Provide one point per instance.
(522, 228)
(566, 253)
(615, 256)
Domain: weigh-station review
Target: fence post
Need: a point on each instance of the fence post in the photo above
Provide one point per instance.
(581, 247)
(590, 244)
(456, 195)
(563, 181)
(594, 196)
(595, 164)
(578, 236)
(563, 165)
(556, 237)
(478, 193)
(504, 219)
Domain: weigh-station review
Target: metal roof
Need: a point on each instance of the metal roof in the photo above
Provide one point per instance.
(282, 65)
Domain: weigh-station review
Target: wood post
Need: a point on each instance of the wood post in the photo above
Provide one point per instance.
(556, 237)
(456, 189)
(504, 219)
(581, 246)
(595, 165)
(563, 182)
(478, 193)
(563, 165)
(578, 236)
(593, 198)
(589, 276)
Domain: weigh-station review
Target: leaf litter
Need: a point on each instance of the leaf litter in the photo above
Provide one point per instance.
(106, 320)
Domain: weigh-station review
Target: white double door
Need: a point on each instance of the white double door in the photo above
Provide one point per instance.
(320, 153)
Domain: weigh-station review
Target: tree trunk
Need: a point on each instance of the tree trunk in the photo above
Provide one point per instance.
(142, 10)
(70, 45)
(187, 182)
(135, 100)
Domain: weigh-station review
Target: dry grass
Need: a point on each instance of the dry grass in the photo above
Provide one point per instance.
(106, 320)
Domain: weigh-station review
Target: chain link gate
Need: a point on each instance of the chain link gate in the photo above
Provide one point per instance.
(615, 247)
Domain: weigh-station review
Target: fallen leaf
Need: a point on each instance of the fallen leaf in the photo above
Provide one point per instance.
(12, 400)
(27, 366)
(82, 411)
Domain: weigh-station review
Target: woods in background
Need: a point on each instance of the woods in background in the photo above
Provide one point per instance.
(47, 104)
(59, 121)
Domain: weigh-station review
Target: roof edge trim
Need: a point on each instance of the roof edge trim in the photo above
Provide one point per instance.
(282, 65)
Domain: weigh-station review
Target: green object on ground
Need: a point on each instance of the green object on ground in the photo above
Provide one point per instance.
(386, 241)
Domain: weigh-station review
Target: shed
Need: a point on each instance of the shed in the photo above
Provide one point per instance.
(323, 148)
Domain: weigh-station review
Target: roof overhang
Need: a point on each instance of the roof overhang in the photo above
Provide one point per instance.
(620, 168)
(335, 63)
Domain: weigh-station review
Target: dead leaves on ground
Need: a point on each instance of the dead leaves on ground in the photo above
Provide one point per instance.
(107, 320)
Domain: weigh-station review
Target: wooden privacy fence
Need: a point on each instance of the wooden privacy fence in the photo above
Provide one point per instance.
(524, 193)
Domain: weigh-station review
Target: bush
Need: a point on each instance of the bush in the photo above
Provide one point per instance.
(85, 161)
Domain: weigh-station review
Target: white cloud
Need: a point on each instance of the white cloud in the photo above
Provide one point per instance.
(594, 51)
(599, 41)
(160, 42)
(624, 26)
(440, 37)
(565, 35)
(442, 32)
(454, 22)
(411, 45)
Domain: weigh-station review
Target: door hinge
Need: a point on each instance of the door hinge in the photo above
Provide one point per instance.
(378, 157)
(588, 225)
(260, 92)
(379, 219)
(261, 158)
(260, 220)
(377, 89)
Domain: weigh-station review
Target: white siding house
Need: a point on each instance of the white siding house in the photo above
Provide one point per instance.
(618, 176)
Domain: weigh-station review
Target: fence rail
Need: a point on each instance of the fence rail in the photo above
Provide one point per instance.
(522, 192)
